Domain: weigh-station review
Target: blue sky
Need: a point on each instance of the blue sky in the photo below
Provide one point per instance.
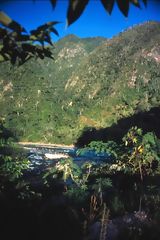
(94, 21)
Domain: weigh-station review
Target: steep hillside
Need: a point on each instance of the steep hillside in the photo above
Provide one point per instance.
(92, 82)
(119, 78)
(31, 95)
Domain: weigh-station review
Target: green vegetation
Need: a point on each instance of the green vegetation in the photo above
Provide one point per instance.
(111, 189)
(92, 83)
(13, 161)
(136, 158)
(143, 155)
(127, 187)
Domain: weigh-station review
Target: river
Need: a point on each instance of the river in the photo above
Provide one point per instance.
(43, 156)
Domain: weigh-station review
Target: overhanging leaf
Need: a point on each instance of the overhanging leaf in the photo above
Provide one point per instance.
(54, 31)
(135, 2)
(16, 27)
(22, 38)
(75, 10)
(108, 5)
(145, 2)
(46, 26)
(123, 6)
(5, 19)
(52, 23)
(3, 32)
(53, 2)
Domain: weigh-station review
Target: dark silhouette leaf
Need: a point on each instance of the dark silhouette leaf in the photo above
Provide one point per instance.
(43, 30)
(75, 10)
(16, 27)
(18, 47)
(34, 32)
(42, 33)
(123, 6)
(46, 26)
(145, 2)
(47, 38)
(108, 5)
(53, 2)
(3, 33)
(5, 20)
(47, 53)
(52, 23)
(135, 2)
(22, 38)
(28, 48)
(54, 31)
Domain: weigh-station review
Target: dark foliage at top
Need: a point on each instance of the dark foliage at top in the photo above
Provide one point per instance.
(18, 46)
(76, 7)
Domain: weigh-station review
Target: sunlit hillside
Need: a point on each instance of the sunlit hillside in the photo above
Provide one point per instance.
(92, 82)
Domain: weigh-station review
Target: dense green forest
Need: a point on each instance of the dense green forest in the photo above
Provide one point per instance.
(92, 83)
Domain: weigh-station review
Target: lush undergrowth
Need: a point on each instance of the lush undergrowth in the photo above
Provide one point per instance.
(78, 202)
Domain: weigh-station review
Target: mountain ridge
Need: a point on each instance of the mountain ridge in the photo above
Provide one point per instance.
(93, 82)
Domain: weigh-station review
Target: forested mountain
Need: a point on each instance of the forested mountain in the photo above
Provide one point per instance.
(92, 82)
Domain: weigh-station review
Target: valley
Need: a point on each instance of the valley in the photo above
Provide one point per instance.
(92, 83)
